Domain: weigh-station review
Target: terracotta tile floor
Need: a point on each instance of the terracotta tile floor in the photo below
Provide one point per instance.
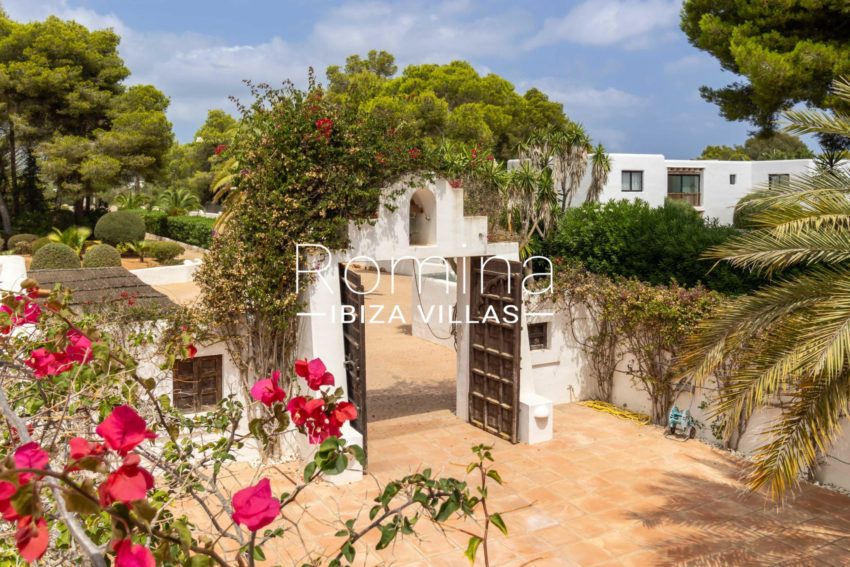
(603, 492)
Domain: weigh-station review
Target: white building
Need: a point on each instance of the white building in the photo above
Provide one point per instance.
(713, 187)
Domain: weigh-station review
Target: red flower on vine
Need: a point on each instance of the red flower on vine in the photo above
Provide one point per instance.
(129, 554)
(414, 153)
(128, 483)
(314, 372)
(254, 507)
(268, 391)
(32, 538)
(7, 491)
(30, 456)
(29, 314)
(219, 149)
(124, 429)
(325, 126)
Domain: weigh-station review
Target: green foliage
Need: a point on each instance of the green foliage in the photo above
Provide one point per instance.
(178, 202)
(55, 256)
(154, 220)
(39, 243)
(101, 256)
(787, 52)
(759, 147)
(120, 226)
(21, 243)
(788, 340)
(445, 101)
(131, 201)
(74, 237)
(197, 231)
(164, 252)
(656, 245)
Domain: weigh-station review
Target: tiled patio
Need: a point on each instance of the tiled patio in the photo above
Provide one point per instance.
(603, 492)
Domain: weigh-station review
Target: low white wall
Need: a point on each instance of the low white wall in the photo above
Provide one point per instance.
(164, 275)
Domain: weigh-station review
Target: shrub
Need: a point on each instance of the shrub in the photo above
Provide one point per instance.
(164, 252)
(119, 227)
(101, 256)
(2, 243)
(21, 243)
(39, 243)
(55, 256)
(191, 230)
(154, 220)
(656, 245)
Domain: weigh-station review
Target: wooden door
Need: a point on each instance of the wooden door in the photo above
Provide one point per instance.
(354, 338)
(494, 346)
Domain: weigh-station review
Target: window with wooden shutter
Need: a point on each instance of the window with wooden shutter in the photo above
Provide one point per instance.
(538, 336)
(197, 383)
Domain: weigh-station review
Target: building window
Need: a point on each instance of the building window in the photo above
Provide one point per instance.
(538, 336)
(632, 181)
(197, 383)
(684, 187)
(732, 179)
(776, 180)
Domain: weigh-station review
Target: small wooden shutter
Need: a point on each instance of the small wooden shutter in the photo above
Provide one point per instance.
(197, 383)
(538, 336)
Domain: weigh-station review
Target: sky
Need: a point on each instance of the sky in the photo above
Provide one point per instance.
(622, 68)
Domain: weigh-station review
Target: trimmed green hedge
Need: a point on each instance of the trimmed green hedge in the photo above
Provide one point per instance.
(164, 251)
(101, 256)
(55, 256)
(191, 230)
(38, 244)
(196, 231)
(22, 243)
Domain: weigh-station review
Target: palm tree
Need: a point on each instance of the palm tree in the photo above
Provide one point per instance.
(178, 201)
(131, 200)
(790, 340)
(75, 237)
(600, 167)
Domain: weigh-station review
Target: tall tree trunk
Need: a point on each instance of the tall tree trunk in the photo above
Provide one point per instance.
(13, 169)
(5, 219)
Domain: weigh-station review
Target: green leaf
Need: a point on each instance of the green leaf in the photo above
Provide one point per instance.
(446, 510)
(359, 454)
(494, 475)
(348, 551)
(22, 501)
(255, 426)
(309, 471)
(259, 555)
(472, 548)
(79, 504)
(374, 512)
(184, 534)
(200, 561)
(496, 520)
(387, 536)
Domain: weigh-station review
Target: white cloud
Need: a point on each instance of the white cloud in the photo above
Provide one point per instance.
(582, 102)
(688, 64)
(631, 23)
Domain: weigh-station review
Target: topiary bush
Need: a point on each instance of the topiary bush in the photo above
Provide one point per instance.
(21, 243)
(119, 227)
(39, 243)
(191, 230)
(101, 256)
(55, 256)
(154, 220)
(164, 252)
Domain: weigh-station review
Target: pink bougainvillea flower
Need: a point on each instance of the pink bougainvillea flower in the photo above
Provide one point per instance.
(32, 538)
(30, 314)
(7, 491)
(268, 391)
(344, 411)
(81, 448)
(30, 456)
(129, 554)
(301, 409)
(124, 429)
(127, 483)
(79, 347)
(191, 351)
(325, 127)
(314, 372)
(46, 363)
(255, 507)
(220, 148)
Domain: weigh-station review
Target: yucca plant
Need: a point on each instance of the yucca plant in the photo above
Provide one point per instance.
(178, 201)
(75, 237)
(600, 167)
(790, 339)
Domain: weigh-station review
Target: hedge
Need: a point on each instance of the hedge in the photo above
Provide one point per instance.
(119, 227)
(55, 256)
(164, 251)
(22, 243)
(38, 244)
(154, 220)
(101, 256)
(191, 230)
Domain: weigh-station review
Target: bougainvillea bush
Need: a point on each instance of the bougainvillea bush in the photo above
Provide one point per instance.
(98, 468)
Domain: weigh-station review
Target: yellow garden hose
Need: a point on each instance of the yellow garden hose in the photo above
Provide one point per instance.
(622, 413)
